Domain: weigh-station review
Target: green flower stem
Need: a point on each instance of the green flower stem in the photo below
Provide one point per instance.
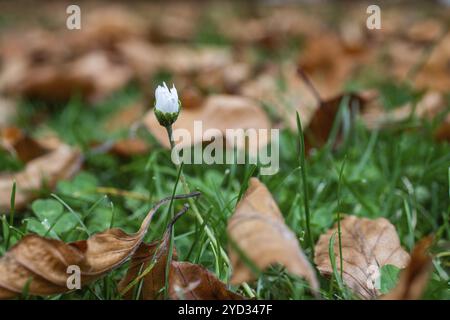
(197, 214)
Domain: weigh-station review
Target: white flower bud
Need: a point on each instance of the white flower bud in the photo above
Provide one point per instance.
(167, 105)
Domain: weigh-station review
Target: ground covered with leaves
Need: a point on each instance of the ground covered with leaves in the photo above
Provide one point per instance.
(359, 208)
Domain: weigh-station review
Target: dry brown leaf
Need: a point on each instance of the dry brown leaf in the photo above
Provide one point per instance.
(93, 76)
(153, 281)
(413, 280)
(20, 144)
(106, 26)
(46, 260)
(329, 64)
(52, 83)
(319, 128)
(186, 280)
(130, 147)
(175, 22)
(442, 133)
(365, 243)
(257, 227)
(58, 164)
(435, 75)
(429, 106)
(156, 254)
(141, 56)
(105, 75)
(125, 117)
(184, 60)
(219, 112)
(425, 30)
(190, 281)
(295, 97)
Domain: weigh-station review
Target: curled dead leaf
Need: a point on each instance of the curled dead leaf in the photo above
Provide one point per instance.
(257, 228)
(20, 144)
(45, 261)
(414, 278)
(149, 262)
(366, 244)
(194, 282)
(186, 280)
(47, 169)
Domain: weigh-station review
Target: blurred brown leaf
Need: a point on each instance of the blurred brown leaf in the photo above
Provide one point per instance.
(106, 26)
(130, 147)
(365, 243)
(319, 128)
(414, 279)
(435, 73)
(125, 117)
(45, 261)
(20, 144)
(257, 228)
(45, 170)
(431, 106)
(218, 112)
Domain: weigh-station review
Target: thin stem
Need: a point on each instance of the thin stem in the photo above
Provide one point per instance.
(195, 210)
(341, 268)
(305, 183)
(310, 85)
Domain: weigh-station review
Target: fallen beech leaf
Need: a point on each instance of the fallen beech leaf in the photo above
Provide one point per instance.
(152, 255)
(130, 147)
(125, 117)
(186, 280)
(178, 21)
(329, 63)
(414, 278)
(180, 59)
(429, 106)
(153, 281)
(295, 97)
(98, 68)
(257, 227)
(45, 261)
(190, 281)
(106, 26)
(53, 83)
(93, 76)
(442, 133)
(434, 74)
(321, 123)
(425, 30)
(219, 112)
(366, 244)
(20, 144)
(58, 164)
(142, 57)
